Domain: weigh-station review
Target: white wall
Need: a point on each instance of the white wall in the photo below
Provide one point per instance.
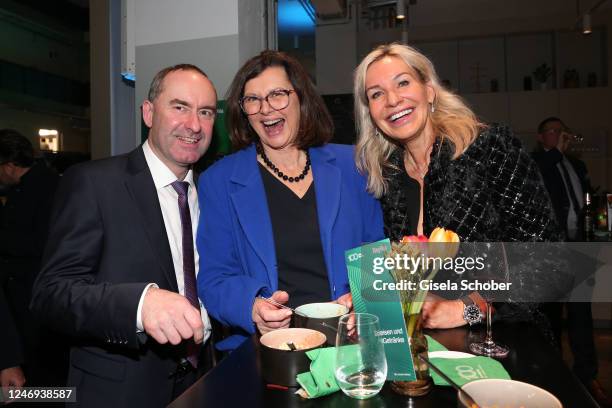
(215, 35)
(163, 21)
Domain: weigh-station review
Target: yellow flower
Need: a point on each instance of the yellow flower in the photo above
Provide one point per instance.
(440, 234)
(449, 240)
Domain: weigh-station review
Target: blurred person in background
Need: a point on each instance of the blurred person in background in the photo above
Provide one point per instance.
(567, 181)
(24, 218)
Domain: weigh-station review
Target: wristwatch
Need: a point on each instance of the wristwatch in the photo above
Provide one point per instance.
(471, 312)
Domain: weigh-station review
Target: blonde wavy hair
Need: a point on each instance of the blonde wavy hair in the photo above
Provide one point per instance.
(452, 119)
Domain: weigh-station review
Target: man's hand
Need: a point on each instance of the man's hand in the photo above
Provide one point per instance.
(169, 317)
(443, 314)
(268, 317)
(564, 141)
(12, 377)
(346, 300)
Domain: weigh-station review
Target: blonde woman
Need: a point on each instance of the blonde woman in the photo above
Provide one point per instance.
(432, 163)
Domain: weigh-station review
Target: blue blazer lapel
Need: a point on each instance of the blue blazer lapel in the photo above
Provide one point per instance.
(251, 206)
(327, 179)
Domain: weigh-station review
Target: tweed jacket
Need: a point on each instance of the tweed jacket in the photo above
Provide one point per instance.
(492, 192)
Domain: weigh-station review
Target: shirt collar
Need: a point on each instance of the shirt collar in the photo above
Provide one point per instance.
(162, 175)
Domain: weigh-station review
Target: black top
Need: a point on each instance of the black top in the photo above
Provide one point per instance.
(24, 220)
(297, 241)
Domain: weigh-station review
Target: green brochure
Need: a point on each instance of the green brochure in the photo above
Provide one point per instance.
(367, 279)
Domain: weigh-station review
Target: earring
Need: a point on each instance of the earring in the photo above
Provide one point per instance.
(432, 107)
(377, 132)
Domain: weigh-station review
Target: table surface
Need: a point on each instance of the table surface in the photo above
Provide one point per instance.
(236, 381)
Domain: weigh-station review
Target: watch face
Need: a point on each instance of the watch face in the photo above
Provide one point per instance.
(471, 314)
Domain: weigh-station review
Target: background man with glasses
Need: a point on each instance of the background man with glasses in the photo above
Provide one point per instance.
(565, 177)
(567, 180)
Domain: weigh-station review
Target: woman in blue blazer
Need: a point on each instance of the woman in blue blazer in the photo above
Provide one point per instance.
(277, 215)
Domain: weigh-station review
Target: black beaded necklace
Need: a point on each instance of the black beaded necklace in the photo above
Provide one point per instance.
(279, 173)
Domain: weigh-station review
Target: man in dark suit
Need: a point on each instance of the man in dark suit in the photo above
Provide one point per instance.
(565, 177)
(120, 264)
(24, 218)
(566, 180)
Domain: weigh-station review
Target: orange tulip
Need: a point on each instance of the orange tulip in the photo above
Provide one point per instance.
(413, 238)
(443, 235)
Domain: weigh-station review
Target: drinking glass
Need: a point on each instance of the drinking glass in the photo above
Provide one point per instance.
(361, 365)
(488, 347)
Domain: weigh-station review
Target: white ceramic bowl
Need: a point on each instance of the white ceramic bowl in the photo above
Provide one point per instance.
(508, 394)
(322, 310)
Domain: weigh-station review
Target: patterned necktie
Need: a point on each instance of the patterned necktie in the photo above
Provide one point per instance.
(189, 277)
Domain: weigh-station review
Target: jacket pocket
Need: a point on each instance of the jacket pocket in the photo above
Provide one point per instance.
(97, 364)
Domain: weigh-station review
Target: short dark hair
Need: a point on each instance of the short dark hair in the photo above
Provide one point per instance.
(156, 84)
(15, 148)
(547, 121)
(316, 125)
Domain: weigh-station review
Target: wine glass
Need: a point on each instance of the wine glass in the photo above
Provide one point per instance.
(488, 347)
(361, 365)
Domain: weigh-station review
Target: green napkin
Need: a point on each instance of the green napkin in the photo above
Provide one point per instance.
(320, 380)
(433, 345)
(465, 370)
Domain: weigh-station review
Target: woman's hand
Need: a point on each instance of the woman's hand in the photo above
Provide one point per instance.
(346, 300)
(443, 314)
(268, 317)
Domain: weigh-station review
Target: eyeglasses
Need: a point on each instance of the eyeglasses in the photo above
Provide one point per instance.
(575, 137)
(277, 99)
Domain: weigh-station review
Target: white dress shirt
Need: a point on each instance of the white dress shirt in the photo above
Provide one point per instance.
(574, 181)
(168, 201)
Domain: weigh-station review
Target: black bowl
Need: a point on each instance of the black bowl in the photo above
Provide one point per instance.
(279, 364)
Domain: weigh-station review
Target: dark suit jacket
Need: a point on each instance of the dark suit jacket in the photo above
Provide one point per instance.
(547, 162)
(11, 351)
(23, 230)
(107, 240)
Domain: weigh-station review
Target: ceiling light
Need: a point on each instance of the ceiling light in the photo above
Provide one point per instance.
(401, 9)
(586, 24)
(47, 132)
